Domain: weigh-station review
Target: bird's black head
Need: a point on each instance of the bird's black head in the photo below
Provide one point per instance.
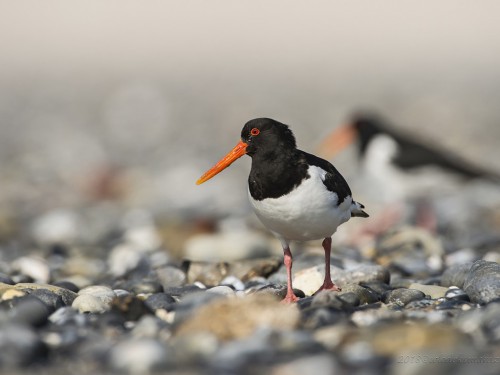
(367, 126)
(266, 136)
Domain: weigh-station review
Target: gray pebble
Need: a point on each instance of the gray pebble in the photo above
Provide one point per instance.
(457, 294)
(332, 300)
(130, 307)
(20, 346)
(139, 356)
(222, 290)
(195, 348)
(87, 303)
(170, 276)
(101, 292)
(6, 279)
(482, 283)
(51, 299)
(148, 326)
(160, 301)
(29, 310)
(455, 275)
(67, 285)
(182, 290)
(402, 296)
(234, 282)
(364, 295)
(34, 267)
(145, 287)
(67, 315)
(191, 302)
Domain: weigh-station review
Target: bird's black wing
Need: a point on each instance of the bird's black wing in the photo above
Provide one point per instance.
(414, 154)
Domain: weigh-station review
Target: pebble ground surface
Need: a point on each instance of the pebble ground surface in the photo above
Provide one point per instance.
(412, 302)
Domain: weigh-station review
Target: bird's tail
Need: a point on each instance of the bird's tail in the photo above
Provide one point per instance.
(357, 210)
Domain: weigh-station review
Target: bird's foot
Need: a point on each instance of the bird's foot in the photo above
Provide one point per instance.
(328, 285)
(290, 298)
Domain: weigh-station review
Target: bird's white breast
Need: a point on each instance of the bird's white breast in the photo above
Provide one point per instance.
(308, 212)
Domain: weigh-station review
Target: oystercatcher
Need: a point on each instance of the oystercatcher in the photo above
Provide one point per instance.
(403, 151)
(400, 168)
(296, 195)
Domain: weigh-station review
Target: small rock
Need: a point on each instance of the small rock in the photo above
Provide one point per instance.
(170, 276)
(124, 258)
(160, 301)
(227, 246)
(20, 346)
(372, 317)
(29, 310)
(223, 290)
(397, 338)
(66, 295)
(207, 273)
(377, 287)
(482, 283)
(195, 348)
(411, 250)
(277, 290)
(87, 303)
(130, 307)
(251, 268)
(457, 294)
(311, 364)
(331, 299)
(433, 291)
(8, 294)
(145, 287)
(182, 290)
(67, 285)
(235, 318)
(190, 303)
(364, 295)
(104, 293)
(57, 226)
(4, 279)
(402, 296)
(420, 304)
(66, 315)
(52, 300)
(234, 282)
(310, 280)
(452, 304)
(34, 267)
(139, 356)
(455, 275)
(149, 326)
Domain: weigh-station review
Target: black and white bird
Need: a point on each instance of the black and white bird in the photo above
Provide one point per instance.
(400, 165)
(296, 195)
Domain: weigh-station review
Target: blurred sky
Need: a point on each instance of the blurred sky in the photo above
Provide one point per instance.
(163, 88)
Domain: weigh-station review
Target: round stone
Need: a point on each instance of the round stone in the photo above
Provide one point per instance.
(402, 296)
(87, 303)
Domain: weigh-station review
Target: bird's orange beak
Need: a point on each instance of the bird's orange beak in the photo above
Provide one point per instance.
(337, 141)
(237, 152)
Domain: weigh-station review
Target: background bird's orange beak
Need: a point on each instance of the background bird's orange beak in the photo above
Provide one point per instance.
(337, 141)
(237, 152)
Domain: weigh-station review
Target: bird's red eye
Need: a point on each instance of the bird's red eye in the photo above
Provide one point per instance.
(255, 132)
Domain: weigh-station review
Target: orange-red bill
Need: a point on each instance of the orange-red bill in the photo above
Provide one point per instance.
(237, 152)
(337, 141)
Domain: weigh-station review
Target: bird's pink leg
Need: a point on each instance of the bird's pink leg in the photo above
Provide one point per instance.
(328, 283)
(290, 296)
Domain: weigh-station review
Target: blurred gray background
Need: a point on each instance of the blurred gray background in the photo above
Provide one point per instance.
(129, 102)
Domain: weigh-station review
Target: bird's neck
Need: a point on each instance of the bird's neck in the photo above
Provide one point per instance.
(276, 173)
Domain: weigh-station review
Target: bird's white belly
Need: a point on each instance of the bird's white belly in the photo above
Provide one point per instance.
(308, 212)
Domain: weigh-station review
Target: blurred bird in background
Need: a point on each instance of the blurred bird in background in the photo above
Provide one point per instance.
(401, 170)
